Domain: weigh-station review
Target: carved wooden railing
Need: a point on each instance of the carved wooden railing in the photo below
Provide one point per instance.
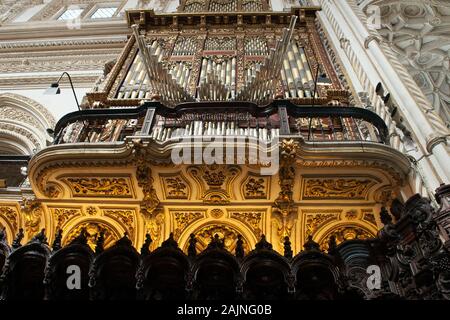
(243, 119)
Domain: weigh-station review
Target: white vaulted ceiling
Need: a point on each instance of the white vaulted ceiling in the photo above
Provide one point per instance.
(418, 31)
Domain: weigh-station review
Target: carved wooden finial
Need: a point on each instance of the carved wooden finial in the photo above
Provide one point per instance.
(18, 239)
(40, 237)
(145, 249)
(239, 247)
(263, 244)
(385, 217)
(170, 242)
(192, 250)
(100, 242)
(57, 242)
(332, 244)
(311, 245)
(287, 248)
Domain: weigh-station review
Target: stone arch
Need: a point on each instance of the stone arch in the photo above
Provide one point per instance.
(23, 125)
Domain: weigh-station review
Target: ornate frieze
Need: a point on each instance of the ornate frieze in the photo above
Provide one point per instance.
(344, 233)
(93, 230)
(64, 215)
(314, 221)
(228, 235)
(252, 219)
(256, 187)
(11, 216)
(185, 218)
(175, 187)
(100, 187)
(336, 188)
(33, 213)
(126, 217)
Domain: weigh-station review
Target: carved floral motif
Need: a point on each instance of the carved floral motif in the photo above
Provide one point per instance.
(255, 188)
(63, 215)
(92, 187)
(184, 219)
(175, 187)
(124, 216)
(339, 188)
(250, 218)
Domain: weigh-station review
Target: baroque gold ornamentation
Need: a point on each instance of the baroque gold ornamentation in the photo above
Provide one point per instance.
(351, 214)
(94, 187)
(93, 229)
(216, 213)
(370, 217)
(183, 219)
(317, 220)
(250, 218)
(145, 180)
(63, 215)
(33, 213)
(92, 211)
(176, 188)
(214, 179)
(344, 233)
(338, 188)
(124, 216)
(11, 216)
(255, 188)
(229, 236)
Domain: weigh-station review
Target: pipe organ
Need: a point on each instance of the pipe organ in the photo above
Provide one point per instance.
(209, 61)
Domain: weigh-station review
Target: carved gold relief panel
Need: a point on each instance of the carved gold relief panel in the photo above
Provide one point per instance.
(226, 233)
(336, 188)
(344, 233)
(253, 219)
(182, 219)
(61, 216)
(175, 186)
(215, 182)
(9, 220)
(343, 223)
(256, 187)
(93, 230)
(117, 187)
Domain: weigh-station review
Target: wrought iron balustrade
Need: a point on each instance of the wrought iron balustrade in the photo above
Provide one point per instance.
(225, 119)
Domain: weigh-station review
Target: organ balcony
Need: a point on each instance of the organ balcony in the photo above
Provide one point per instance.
(233, 124)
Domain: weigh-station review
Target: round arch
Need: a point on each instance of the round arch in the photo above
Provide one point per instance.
(23, 125)
(235, 227)
(344, 231)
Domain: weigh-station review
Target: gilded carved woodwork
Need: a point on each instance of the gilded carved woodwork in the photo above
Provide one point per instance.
(284, 208)
(33, 213)
(337, 188)
(370, 217)
(99, 187)
(315, 221)
(63, 215)
(145, 180)
(154, 226)
(345, 233)
(10, 215)
(185, 218)
(125, 217)
(175, 187)
(227, 234)
(216, 213)
(215, 182)
(251, 219)
(256, 187)
(93, 230)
